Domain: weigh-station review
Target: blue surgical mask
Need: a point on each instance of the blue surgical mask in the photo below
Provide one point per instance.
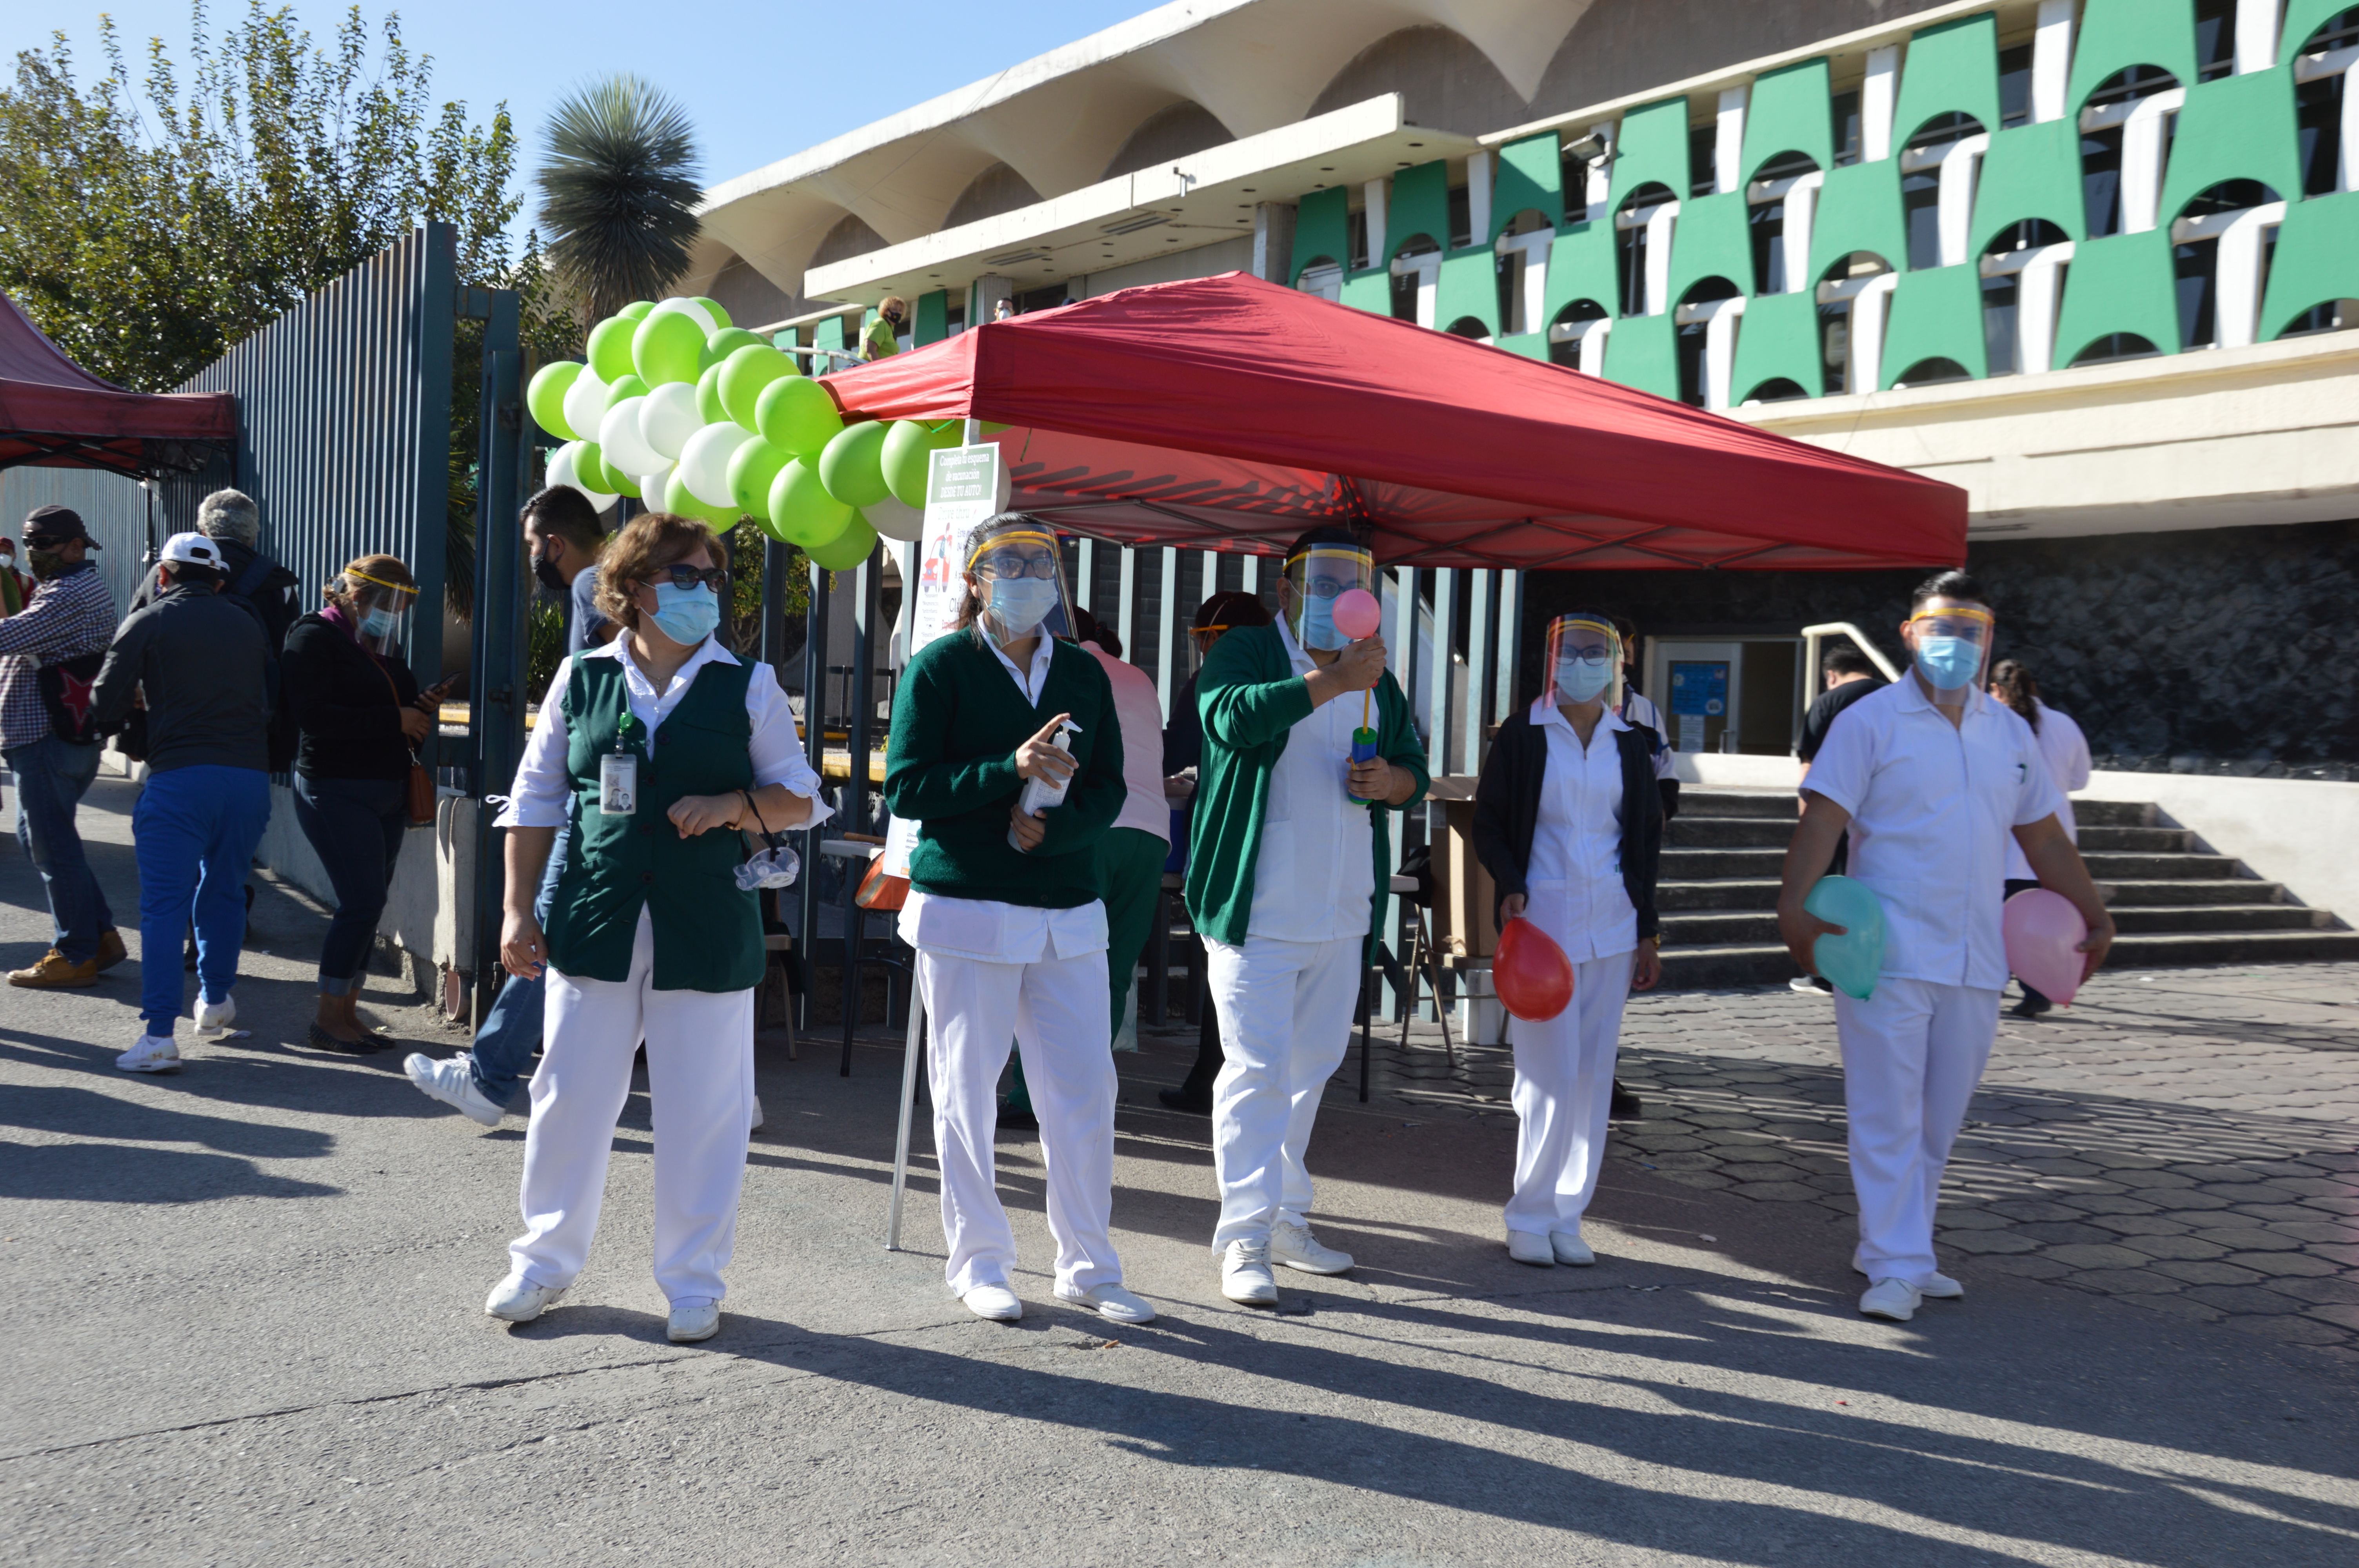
(1578, 680)
(1020, 604)
(377, 624)
(686, 615)
(1318, 625)
(1948, 663)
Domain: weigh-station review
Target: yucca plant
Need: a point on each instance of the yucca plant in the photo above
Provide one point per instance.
(618, 193)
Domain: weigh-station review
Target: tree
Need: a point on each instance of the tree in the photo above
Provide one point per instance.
(618, 193)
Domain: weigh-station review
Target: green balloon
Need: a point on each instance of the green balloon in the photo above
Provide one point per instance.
(796, 413)
(681, 501)
(627, 386)
(610, 348)
(668, 347)
(753, 468)
(714, 306)
(708, 397)
(908, 448)
(803, 512)
(743, 374)
(852, 465)
(637, 310)
(720, 345)
(545, 396)
(590, 465)
(847, 549)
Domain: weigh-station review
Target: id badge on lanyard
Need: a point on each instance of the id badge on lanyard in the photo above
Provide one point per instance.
(618, 773)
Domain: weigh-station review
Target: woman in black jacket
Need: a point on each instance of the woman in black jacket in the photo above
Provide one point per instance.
(1569, 824)
(361, 718)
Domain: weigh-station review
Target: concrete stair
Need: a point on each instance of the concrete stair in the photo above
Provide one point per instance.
(2174, 904)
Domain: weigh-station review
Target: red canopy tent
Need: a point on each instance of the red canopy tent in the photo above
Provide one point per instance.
(54, 414)
(1226, 413)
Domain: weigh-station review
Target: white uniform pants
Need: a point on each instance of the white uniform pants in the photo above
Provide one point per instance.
(1056, 1013)
(701, 1078)
(1912, 1053)
(1285, 1011)
(1564, 1088)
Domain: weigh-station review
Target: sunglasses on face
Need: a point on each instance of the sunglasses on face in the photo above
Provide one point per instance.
(680, 574)
(1010, 564)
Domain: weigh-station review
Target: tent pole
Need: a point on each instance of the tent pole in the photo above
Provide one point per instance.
(909, 1100)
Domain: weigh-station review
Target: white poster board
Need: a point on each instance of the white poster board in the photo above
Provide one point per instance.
(963, 490)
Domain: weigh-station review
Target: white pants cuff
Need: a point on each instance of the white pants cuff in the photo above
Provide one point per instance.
(1286, 1010)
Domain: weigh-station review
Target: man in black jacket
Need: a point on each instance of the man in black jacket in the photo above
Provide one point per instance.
(200, 660)
(232, 521)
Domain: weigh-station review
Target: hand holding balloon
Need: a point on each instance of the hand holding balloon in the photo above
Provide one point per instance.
(1530, 973)
(2049, 946)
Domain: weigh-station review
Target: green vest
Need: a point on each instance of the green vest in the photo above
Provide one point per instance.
(708, 930)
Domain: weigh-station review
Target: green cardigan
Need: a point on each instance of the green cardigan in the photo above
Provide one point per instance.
(1249, 698)
(951, 768)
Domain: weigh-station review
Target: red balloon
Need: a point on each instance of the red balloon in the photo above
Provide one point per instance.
(1531, 972)
(1357, 613)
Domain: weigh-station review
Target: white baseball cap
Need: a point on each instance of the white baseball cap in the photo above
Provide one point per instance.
(195, 550)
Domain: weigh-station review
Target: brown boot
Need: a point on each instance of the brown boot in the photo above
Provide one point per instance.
(111, 950)
(56, 972)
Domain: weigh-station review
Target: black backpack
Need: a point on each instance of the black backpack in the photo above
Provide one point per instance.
(66, 691)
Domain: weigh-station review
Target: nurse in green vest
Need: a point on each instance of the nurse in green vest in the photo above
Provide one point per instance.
(1289, 867)
(1005, 914)
(656, 749)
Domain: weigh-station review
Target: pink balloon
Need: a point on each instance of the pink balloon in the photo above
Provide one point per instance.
(2043, 932)
(1357, 613)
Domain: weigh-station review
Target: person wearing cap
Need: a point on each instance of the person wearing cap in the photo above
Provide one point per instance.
(1183, 754)
(1569, 824)
(202, 664)
(1932, 778)
(232, 522)
(49, 653)
(1288, 858)
(883, 339)
(1005, 914)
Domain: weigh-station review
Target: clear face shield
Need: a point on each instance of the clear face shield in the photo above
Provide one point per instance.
(1314, 578)
(1950, 645)
(380, 612)
(1584, 661)
(1020, 571)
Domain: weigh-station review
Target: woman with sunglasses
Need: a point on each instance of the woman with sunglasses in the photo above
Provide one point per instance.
(1569, 824)
(656, 748)
(1005, 914)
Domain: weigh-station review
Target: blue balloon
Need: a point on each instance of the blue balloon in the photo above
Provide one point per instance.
(1852, 961)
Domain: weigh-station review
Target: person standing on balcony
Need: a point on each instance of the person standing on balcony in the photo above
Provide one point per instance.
(200, 660)
(1004, 912)
(1287, 879)
(565, 542)
(656, 749)
(1931, 777)
(2066, 752)
(1569, 824)
(49, 655)
(883, 339)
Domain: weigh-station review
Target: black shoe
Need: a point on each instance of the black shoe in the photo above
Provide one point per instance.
(324, 1040)
(1020, 1117)
(1624, 1106)
(1181, 1098)
(2031, 1008)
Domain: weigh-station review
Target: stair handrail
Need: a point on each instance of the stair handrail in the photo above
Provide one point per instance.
(1811, 634)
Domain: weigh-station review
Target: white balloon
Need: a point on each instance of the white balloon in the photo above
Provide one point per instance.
(620, 441)
(689, 308)
(651, 488)
(670, 418)
(585, 402)
(895, 520)
(704, 461)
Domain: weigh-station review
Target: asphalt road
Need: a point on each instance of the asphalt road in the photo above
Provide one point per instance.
(246, 1327)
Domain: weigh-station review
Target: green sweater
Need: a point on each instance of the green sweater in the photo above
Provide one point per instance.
(957, 720)
(1249, 698)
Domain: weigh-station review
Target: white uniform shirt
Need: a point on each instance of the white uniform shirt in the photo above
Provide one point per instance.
(1932, 810)
(1638, 709)
(1140, 709)
(1575, 873)
(2066, 752)
(542, 794)
(987, 930)
(1315, 875)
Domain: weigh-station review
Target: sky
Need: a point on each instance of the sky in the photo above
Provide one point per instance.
(753, 100)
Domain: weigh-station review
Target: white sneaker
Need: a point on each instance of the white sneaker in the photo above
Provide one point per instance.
(692, 1321)
(757, 1114)
(1245, 1278)
(1570, 1249)
(513, 1301)
(994, 1301)
(1526, 1246)
(1896, 1300)
(153, 1053)
(453, 1083)
(1294, 1246)
(214, 1018)
(1112, 1302)
(1938, 1288)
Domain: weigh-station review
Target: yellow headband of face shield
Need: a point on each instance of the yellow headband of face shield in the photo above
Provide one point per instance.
(983, 546)
(380, 582)
(1957, 621)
